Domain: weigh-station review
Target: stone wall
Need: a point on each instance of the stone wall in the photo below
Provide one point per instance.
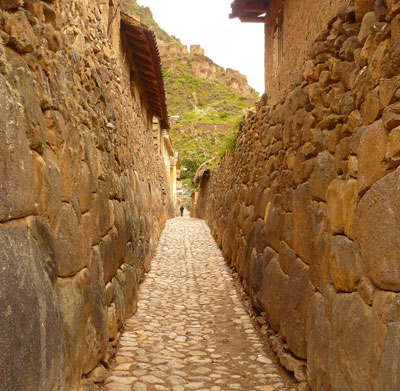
(82, 192)
(307, 209)
(301, 21)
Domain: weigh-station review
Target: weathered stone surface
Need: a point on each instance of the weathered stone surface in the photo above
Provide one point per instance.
(287, 257)
(50, 202)
(393, 148)
(395, 27)
(273, 287)
(319, 267)
(16, 197)
(387, 90)
(335, 202)
(128, 281)
(9, 4)
(255, 245)
(297, 295)
(376, 229)
(69, 163)
(323, 174)
(345, 264)
(56, 131)
(67, 236)
(303, 223)
(350, 353)
(44, 246)
(21, 79)
(362, 7)
(391, 116)
(371, 156)
(22, 37)
(318, 329)
(371, 108)
(366, 25)
(389, 367)
(273, 222)
(70, 295)
(366, 290)
(98, 375)
(96, 335)
(380, 9)
(30, 324)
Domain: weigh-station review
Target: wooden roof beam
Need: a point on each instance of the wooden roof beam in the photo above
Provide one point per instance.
(252, 19)
(240, 8)
(145, 70)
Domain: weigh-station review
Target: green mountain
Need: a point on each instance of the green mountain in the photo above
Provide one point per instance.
(206, 102)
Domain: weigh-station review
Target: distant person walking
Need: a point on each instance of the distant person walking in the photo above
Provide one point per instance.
(182, 209)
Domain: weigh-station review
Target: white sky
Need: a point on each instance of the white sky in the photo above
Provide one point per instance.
(228, 42)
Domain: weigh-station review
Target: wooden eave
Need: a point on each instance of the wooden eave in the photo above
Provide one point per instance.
(249, 10)
(168, 144)
(142, 45)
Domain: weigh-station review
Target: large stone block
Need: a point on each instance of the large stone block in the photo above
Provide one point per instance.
(71, 300)
(318, 329)
(351, 347)
(68, 236)
(44, 245)
(50, 202)
(96, 313)
(378, 234)
(372, 164)
(128, 281)
(273, 287)
(323, 174)
(16, 195)
(334, 197)
(367, 22)
(56, 131)
(69, 161)
(297, 295)
(303, 223)
(319, 267)
(350, 203)
(30, 324)
(273, 222)
(22, 80)
(256, 274)
(287, 257)
(389, 367)
(345, 264)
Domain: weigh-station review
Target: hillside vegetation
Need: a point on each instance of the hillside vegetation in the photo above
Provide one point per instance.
(205, 113)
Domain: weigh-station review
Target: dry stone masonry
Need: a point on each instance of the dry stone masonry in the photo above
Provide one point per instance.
(83, 199)
(307, 210)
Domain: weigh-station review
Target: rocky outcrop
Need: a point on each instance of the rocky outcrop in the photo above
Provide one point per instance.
(203, 67)
(82, 196)
(306, 207)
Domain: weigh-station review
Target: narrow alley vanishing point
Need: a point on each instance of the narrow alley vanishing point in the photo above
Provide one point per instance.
(191, 330)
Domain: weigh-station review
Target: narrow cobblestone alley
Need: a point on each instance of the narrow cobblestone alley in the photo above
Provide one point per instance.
(191, 330)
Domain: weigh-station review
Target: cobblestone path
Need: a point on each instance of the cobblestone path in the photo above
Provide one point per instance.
(191, 330)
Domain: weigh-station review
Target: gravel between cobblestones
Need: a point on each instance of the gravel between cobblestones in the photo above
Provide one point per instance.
(191, 330)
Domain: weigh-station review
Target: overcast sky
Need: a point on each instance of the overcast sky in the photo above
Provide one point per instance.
(228, 42)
